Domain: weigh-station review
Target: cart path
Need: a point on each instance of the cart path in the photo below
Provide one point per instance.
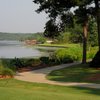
(39, 76)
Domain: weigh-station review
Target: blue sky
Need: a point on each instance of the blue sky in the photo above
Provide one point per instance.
(20, 16)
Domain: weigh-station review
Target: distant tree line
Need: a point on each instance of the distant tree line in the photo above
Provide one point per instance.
(22, 36)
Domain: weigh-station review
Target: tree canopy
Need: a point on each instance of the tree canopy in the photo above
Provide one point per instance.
(60, 11)
(62, 15)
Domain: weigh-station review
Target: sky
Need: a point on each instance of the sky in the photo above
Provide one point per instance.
(19, 16)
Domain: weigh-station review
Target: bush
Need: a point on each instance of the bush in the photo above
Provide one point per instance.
(49, 61)
(67, 55)
(7, 63)
(72, 54)
(18, 63)
(24, 62)
(45, 60)
(6, 72)
(91, 53)
(34, 62)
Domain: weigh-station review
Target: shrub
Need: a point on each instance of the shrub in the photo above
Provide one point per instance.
(72, 54)
(67, 55)
(49, 61)
(18, 63)
(91, 53)
(45, 60)
(7, 63)
(6, 72)
(24, 62)
(35, 62)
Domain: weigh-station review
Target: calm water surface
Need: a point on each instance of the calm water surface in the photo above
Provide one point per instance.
(12, 49)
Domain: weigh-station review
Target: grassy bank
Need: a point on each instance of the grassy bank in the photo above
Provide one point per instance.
(70, 51)
(77, 73)
(59, 45)
(12, 89)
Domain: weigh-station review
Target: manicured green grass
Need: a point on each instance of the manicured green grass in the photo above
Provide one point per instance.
(76, 73)
(60, 45)
(12, 89)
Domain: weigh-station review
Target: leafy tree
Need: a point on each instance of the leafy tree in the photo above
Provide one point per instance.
(56, 9)
(76, 34)
(93, 37)
(51, 29)
(63, 38)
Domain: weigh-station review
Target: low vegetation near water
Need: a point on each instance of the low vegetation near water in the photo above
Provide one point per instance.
(72, 54)
(9, 66)
(68, 54)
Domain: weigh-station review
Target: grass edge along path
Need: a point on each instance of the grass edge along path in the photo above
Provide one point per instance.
(39, 76)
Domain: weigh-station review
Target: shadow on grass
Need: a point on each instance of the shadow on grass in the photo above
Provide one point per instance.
(77, 73)
(88, 90)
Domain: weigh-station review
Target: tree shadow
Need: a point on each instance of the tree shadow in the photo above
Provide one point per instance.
(92, 91)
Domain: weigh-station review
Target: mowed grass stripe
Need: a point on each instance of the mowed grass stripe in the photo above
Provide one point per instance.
(12, 89)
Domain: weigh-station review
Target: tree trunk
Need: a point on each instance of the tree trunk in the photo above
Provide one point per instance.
(85, 26)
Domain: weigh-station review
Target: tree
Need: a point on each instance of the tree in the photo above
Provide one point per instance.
(76, 34)
(51, 29)
(92, 37)
(57, 8)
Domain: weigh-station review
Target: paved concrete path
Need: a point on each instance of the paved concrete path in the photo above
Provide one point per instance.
(39, 76)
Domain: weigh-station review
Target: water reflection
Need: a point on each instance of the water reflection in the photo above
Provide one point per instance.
(12, 49)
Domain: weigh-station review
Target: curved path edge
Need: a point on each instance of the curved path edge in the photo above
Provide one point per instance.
(39, 76)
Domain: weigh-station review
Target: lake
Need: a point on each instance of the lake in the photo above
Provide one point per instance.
(12, 49)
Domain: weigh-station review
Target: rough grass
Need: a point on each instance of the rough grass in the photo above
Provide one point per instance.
(76, 73)
(12, 89)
